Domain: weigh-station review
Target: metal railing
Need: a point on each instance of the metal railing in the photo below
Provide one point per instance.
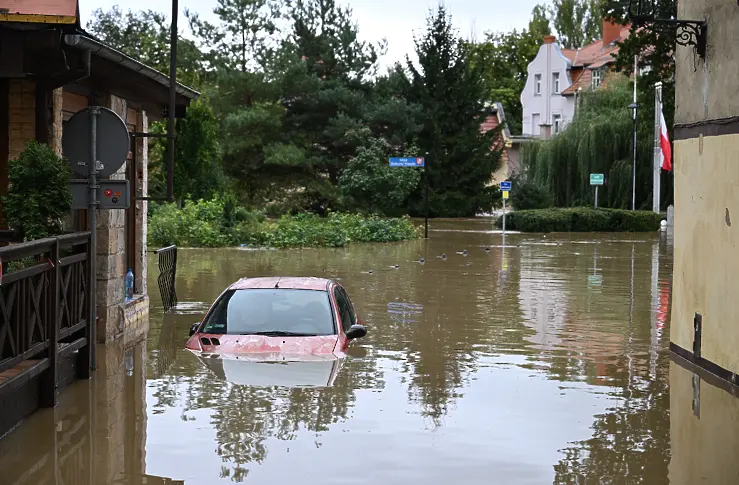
(167, 275)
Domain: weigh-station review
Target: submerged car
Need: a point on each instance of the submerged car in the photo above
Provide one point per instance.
(286, 317)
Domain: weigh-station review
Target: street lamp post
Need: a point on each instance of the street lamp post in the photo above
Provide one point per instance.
(634, 108)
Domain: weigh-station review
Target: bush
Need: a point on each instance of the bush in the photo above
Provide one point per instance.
(584, 219)
(336, 230)
(529, 195)
(220, 223)
(39, 198)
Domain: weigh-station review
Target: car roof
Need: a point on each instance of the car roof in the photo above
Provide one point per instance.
(282, 282)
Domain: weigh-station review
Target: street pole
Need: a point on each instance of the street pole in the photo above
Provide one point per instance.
(633, 167)
(172, 101)
(92, 207)
(657, 148)
(504, 217)
(426, 194)
(635, 115)
(596, 196)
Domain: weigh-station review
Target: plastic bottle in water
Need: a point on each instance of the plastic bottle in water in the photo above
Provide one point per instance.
(129, 284)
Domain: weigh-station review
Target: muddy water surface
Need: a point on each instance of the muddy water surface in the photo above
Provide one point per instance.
(540, 360)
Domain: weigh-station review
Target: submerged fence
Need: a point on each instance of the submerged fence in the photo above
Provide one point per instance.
(167, 275)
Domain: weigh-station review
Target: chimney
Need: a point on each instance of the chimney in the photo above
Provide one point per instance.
(611, 32)
(550, 39)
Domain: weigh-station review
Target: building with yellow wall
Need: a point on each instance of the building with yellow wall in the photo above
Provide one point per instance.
(706, 268)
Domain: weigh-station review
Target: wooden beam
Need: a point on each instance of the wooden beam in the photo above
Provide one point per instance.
(37, 18)
(4, 142)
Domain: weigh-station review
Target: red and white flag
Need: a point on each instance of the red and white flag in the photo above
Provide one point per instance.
(664, 143)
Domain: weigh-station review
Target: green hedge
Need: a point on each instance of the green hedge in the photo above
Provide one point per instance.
(219, 223)
(581, 219)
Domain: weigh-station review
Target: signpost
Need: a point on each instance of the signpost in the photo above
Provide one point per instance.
(417, 162)
(597, 179)
(505, 187)
(95, 141)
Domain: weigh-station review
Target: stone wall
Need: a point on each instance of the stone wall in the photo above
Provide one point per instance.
(136, 319)
(22, 115)
(57, 119)
(111, 244)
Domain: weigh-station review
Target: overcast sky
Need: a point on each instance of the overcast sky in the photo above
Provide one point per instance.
(395, 20)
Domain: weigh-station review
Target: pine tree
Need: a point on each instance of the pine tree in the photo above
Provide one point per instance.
(452, 94)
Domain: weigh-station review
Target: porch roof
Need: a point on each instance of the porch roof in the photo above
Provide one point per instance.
(126, 77)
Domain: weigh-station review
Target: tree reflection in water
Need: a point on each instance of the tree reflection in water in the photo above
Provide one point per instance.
(631, 442)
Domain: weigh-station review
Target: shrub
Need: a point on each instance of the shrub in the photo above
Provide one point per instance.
(529, 195)
(39, 198)
(220, 222)
(584, 219)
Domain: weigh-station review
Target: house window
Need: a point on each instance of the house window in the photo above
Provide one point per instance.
(555, 83)
(535, 124)
(597, 77)
(537, 84)
(556, 123)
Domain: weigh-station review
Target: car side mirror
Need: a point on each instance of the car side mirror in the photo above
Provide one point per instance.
(356, 331)
(194, 328)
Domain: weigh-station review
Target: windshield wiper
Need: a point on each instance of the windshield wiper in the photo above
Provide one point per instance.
(278, 333)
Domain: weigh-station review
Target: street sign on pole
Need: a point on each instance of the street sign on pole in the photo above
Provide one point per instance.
(597, 179)
(505, 195)
(407, 162)
(419, 162)
(111, 194)
(505, 186)
(95, 141)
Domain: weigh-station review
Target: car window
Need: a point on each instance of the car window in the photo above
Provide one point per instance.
(343, 304)
(352, 313)
(243, 312)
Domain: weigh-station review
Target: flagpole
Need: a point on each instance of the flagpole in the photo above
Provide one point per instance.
(634, 115)
(657, 147)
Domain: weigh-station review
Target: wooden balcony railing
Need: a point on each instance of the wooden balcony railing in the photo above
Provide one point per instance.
(44, 312)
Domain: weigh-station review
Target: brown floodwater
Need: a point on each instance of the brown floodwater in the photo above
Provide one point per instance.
(542, 360)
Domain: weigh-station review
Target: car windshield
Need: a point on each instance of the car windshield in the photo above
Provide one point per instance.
(277, 312)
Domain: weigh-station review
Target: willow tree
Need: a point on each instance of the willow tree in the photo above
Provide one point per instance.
(599, 140)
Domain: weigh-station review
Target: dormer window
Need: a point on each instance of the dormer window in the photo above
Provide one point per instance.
(596, 78)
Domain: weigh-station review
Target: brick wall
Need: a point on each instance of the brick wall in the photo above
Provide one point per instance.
(21, 116)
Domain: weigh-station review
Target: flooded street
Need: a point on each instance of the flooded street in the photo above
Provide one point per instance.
(544, 361)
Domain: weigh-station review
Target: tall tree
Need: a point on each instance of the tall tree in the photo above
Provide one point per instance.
(654, 48)
(577, 22)
(504, 60)
(246, 37)
(145, 37)
(451, 90)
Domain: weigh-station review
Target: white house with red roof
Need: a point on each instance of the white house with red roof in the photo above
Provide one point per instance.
(557, 76)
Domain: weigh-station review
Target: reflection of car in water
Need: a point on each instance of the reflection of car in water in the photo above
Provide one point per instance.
(278, 316)
(294, 371)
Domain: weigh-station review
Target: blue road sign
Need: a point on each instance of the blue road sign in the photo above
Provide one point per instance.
(407, 162)
(506, 186)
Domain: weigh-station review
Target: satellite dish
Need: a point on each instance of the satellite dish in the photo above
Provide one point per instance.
(113, 141)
